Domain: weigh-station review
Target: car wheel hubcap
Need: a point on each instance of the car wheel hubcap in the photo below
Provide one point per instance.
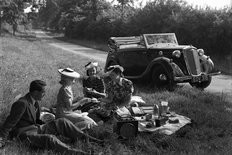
(163, 77)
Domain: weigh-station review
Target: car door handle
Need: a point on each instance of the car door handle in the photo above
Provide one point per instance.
(144, 52)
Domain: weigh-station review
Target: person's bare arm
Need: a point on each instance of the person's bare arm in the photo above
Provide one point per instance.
(77, 99)
(81, 102)
(96, 93)
(107, 99)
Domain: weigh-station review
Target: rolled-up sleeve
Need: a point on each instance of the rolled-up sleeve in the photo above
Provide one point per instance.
(67, 98)
(128, 86)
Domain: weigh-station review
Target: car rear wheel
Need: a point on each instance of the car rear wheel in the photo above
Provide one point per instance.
(201, 85)
(161, 79)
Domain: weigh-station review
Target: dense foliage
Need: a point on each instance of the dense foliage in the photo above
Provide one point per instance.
(206, 28)
(12, 11)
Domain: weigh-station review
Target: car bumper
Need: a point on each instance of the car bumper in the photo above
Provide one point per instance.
(195, 78)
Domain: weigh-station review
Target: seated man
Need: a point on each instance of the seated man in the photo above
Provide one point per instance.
(24, 124)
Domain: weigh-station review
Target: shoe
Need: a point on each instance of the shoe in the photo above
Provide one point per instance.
(2, 142)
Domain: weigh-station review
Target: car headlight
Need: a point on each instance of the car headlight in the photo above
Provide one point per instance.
(176, 53)
(200, 52)
(206, 63)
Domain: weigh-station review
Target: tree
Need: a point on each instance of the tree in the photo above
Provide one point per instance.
(124, 5)
(47, 13)
(13, 12)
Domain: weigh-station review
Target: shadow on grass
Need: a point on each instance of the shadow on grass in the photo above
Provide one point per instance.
(29, 36)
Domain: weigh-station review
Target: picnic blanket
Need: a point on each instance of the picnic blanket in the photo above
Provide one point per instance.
(167, 129)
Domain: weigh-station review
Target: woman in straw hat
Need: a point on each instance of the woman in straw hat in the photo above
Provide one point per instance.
(93, 85)
(66, 102)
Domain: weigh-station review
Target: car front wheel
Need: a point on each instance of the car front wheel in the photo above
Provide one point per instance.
(161, 79)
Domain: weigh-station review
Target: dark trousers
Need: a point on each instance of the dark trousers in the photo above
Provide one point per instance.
(46, 138)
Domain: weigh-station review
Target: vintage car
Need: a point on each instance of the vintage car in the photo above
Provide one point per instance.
(160, 60)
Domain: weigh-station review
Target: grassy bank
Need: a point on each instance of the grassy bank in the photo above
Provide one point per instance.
(24, 59)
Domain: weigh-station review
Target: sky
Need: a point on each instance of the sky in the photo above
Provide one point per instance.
(212, 3)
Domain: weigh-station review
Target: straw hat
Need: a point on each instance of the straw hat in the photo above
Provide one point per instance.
(91, 65)
(112, 68)
(68, 72)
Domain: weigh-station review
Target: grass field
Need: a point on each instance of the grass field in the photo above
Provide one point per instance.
(25, 58)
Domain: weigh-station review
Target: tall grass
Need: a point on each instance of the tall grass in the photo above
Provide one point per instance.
(24, 59)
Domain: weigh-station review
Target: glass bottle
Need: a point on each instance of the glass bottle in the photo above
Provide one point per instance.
(156, 110)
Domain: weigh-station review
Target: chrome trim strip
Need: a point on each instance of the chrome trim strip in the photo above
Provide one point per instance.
(186, 60)
(181, 79)
(215, 73)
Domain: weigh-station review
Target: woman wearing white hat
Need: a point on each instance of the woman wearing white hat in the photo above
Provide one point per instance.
(66, 102)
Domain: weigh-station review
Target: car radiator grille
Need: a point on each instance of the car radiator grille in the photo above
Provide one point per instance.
(193, 62)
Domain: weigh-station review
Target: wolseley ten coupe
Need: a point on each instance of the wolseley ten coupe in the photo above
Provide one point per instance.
(160, 60)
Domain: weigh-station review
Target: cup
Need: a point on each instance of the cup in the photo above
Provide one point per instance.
(157, 123)
(164, 107)
(148, 117)
(156, 110)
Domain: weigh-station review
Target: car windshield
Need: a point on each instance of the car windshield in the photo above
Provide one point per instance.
(169, 38)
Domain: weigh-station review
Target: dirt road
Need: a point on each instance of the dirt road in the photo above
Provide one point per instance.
(221, 84)
(73, 48)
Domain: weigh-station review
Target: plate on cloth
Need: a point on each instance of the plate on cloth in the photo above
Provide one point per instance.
(140, 118)
(169, 114)
(148, 124)
(123, 111)
(148, 110)
(47, 117)
(137, 111)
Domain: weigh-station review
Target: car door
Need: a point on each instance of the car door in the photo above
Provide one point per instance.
(134, 61)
